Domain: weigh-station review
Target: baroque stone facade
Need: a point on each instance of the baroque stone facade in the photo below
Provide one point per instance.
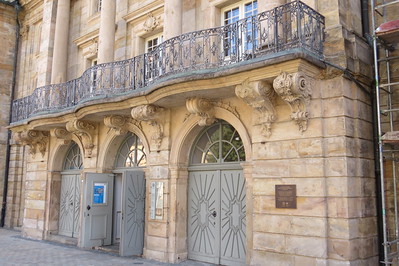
(296, 117)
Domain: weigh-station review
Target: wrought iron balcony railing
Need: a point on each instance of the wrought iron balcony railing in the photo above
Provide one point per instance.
(284, 28)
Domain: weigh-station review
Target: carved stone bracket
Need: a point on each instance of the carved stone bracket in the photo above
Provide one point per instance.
(36, 140)
(260, 96)
(203, 108)
(294, 89)
(85, 131)
(152, 115)
(62, 134)
(118, 123)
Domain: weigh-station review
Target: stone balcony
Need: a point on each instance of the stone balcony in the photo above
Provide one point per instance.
(290, 31)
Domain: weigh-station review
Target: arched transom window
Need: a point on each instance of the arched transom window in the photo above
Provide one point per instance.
(131, 153)
(220, 143)
(73, 159)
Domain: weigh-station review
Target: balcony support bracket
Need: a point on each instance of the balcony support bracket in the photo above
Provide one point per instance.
(153, 115)
(260, 96)
(295, 90)
(35, 139)
(85, 132)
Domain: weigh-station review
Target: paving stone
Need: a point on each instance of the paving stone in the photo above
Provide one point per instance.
(16, 250)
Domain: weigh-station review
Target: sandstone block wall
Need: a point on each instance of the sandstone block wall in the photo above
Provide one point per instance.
(7, 58)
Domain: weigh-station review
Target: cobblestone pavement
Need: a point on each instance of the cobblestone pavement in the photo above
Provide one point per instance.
(16, 250)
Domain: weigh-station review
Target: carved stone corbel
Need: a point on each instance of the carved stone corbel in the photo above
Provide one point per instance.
(36, 140)
(294, 89)
(203, 108)
(260, 96)
(61, 134)
(118, 123)
(85, 131)
(152, 115)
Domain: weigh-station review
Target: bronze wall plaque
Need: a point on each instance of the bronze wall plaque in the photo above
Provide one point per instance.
(286, 196)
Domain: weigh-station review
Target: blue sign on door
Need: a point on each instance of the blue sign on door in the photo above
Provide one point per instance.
(99, 193)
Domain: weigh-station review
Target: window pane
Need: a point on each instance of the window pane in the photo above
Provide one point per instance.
(131, 153)
(217, 144)
(73, 159)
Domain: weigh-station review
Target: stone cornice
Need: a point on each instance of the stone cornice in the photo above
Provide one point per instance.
(87, 38)
(144, 11)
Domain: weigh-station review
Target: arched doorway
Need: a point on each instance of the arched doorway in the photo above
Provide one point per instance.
(217, 197)
(70, 193)
(129, 196)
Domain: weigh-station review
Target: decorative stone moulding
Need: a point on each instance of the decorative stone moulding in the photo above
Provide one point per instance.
(36, 140)
(91, 50)
(85, 131)
(294, 89)
(151, 23)
(152, 115)
(61, 134)
(260, 96)
(203, 108)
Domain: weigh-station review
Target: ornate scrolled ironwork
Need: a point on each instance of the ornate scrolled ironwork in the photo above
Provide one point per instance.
(284, 28)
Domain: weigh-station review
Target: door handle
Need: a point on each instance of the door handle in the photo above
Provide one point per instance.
(214, 213)
(88, 207)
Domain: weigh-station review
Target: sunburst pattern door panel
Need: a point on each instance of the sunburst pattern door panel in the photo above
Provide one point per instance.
(217, 217)
(233, 222)
(69, 206)
(132, 239)
(203, 220)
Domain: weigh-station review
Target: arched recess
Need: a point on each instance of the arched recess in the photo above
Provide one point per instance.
(112, 144)
(180, 154)
(66, 163)
(126, 156)
(181, 146)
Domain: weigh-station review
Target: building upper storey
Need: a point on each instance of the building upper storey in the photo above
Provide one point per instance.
(76, 52)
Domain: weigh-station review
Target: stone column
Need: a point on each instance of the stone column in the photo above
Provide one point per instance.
(107, 32)
(60, 55)
(172, 18)
(267, 5)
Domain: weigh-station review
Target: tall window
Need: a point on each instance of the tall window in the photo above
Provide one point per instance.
(93, 77)
(99, 3)
(232, 14)
(95, 7)
(154, 59)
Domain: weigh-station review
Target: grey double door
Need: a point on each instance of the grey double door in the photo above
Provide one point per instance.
(217, 217)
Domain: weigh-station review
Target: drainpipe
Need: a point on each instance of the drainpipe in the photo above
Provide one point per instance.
(366, 21)
(366, 33)
(377, 182)
(8, 148)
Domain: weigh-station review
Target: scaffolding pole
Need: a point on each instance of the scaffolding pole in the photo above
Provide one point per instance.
(389, 214)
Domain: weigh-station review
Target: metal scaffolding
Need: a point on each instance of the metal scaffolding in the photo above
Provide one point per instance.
(385, 26)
